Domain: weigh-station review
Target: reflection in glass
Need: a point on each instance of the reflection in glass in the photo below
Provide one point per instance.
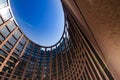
(4, 32)
(11, 26)
(1, 21)
(5, 13)
(12, 40)
(17, 34)
(3, 3)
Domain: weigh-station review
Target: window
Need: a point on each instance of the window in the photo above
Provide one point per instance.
(15, 54)
(12, 40)
(3, 3)
(1, 59)
(4, 32)
(23, 40)
(13, 59)
(11, 26)
(8, 45)
(10, 64)
(5, 69)
(1, 21)
(19, 47)
(5, 13)
(29, 45)
(3, 53)
(6, 48)
(17, 51)
(1, 38)
(17, 34)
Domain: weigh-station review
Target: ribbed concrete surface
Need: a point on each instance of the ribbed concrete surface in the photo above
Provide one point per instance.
(103, 18)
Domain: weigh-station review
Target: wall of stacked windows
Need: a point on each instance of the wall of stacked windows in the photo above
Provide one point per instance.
(71, 58)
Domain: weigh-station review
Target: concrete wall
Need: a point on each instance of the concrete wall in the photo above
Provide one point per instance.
(102, 28)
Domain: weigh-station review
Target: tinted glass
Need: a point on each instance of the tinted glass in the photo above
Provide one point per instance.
(11, 26)
(17, 34)
(4, 32)
(12, 40)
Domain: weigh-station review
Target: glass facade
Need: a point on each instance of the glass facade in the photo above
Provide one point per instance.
(1, 21)
(11, 26)
(5, 32)
(5, 13)
(71, 58)
(3, 3)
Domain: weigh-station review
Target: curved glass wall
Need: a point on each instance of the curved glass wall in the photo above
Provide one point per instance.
(72, 58)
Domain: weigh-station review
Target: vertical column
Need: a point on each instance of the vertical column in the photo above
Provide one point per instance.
(5, 23)
(70, 49)
(19, 59)
(8, 37)
(56, 64)
(7, 58)
(27, 64)
(43, 65)
(66, 53)
(62, 62)
(51, 64)
(35, 65)
(4, 76)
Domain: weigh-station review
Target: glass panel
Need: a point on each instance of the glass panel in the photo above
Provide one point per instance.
(3, 3)
(23, 41)
(3, 53)
(15, 54)
(6, 48)
(11, 26)
(1, 21)
(5, 68)
(4, 32)
(8, 45)
(1, 59)
(1, 38)
(29, 45)
(17, 51)
(19, 47)
(12, 40)
(5, 13)
(13, 59)
(17, 34)
(10, 64)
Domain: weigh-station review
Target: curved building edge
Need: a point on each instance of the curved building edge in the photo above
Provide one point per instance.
(77, 55)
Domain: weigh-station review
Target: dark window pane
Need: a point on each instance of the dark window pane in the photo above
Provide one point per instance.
(6, 48)
(8, 45)
(1, 38)
(1, 59)
(23, 41)
(3, 53)
(17, 51)
(19, 47)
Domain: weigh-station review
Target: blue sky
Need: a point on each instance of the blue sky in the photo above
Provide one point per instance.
(41, 20)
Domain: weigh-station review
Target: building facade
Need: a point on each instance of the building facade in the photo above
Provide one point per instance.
(78, 55)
